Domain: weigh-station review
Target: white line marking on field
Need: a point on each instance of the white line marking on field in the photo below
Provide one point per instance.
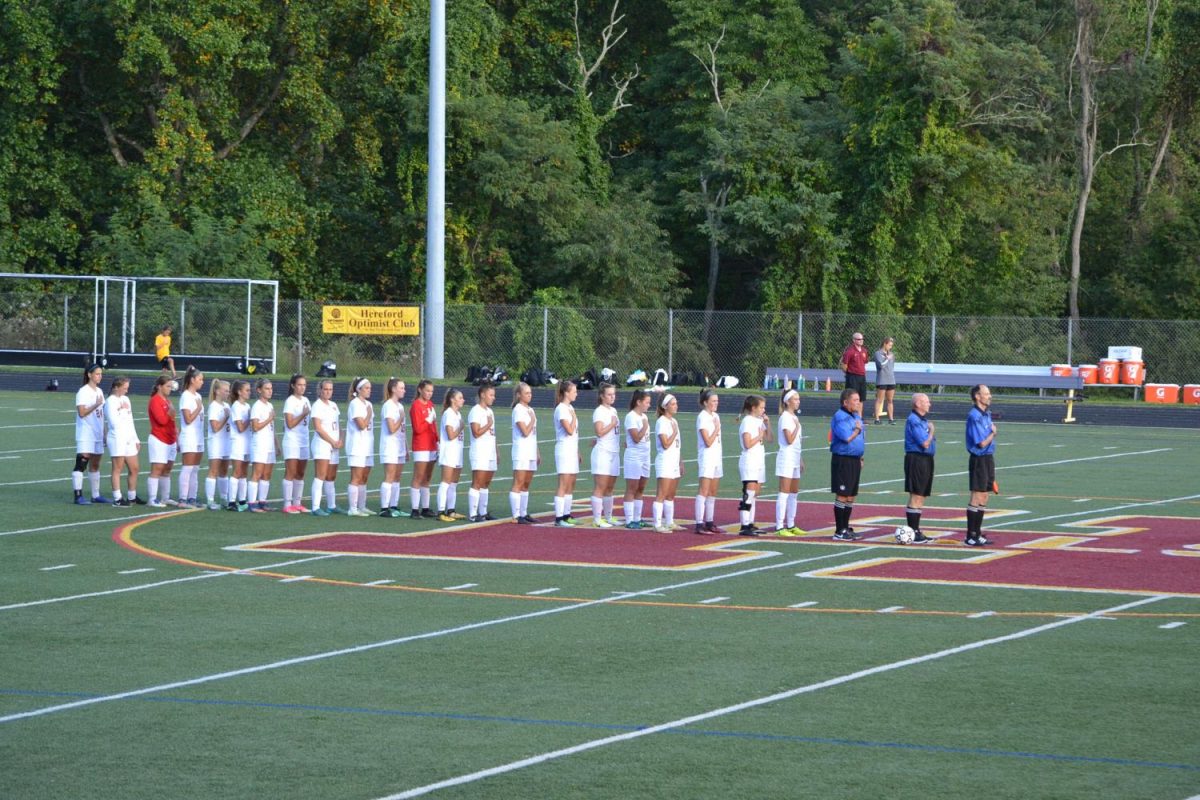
(890, 610)
(105, 521)
(713, 600)
(1121, 507)
(1111, 447)
(755, 703)
(1168, 626)
(1082, 500)
(39, 450)
(156, 584)
(57, 566)
(981, 615)
(943, 494)
(383, 582)
(551, 590)
(644, 594)
(295, 578)
(135, 571)
(460, 586)
(362, 648)
(1057, 445)
(805, 604)
(14, 458)
(1016, 497)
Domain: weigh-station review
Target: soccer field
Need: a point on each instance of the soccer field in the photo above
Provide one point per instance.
(212, 654)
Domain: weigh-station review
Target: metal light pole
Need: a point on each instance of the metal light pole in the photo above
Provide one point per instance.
(435, 212)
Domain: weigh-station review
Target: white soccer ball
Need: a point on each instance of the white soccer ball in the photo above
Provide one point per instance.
(905, 535)
(174, 386)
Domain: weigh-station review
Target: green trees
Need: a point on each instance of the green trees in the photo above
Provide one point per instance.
(918, 156)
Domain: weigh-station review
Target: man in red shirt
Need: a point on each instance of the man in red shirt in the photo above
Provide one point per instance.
(854, 364)
(423, 417)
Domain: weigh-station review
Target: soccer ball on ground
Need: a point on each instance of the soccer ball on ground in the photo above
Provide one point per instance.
(905, 535)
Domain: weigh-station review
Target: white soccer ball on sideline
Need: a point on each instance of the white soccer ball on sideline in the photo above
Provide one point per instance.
(174, 386)
(905, 535)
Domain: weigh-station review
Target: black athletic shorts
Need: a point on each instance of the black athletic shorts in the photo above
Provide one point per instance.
(163, 362)
(983, 472)
(918, 474)
(844, 472)
(884, 387)
(858, 383)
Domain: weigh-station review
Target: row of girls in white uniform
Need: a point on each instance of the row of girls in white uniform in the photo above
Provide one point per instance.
(243, 436)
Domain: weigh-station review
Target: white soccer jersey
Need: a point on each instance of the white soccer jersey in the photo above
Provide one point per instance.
(359, 442)
(91, 426)
(634, 422)
(483, 448)
(752, 463)
(118, 412)
(262, 441)
(219, 441)
(239, 449)
(296, 437)
(191, 435)
(611, 441)
(393, 447)
(524, 447)
(789, 454)
(667, 460)
(328, 415)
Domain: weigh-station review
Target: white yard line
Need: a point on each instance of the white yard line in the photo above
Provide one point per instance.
(542, 758)
(362, 648)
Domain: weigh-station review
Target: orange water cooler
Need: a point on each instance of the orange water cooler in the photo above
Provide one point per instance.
(1191, 394)
(1109, 371)
(1133, 373)
(1162, 392)
(1089, 372)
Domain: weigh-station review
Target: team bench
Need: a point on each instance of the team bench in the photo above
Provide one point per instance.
(124, 361)
(942, 375)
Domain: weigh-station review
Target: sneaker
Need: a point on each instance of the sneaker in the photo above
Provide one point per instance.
(749, 530)
(983, 539)
(487, 517)
(632, 526)
(170, 502)
(564, 522)
(193, 502)
(319, 512)
(300, 509)
(427, 513)
(711, 527)
(82, 501)
(395, 513)
(354, 512)
(601, 522)
(334, 510)
(701, 530)
(417, 515)
(214, 506)
(263, 505)
(661, 529)
(891, 422)
(231, 506)
(101, 499)
(444, 517)
(243, 506)
(137, 501)
(385, 512)
(878, 421)
(290, 510)
(920, 538)
(844, 536)
(971, 541)
(257, 509)
(527, 520)
(156, 504)
(122, 503)
(785, 532)
(457, 516)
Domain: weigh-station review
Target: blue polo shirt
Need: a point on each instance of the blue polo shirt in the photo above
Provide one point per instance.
(842, 428)
(916, 431)
(979, 427)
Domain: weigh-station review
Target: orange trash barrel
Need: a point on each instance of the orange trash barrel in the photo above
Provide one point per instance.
(1133, 373)
(1089, 372)
(1191, 394)
(1110, 371)
(1162, 392)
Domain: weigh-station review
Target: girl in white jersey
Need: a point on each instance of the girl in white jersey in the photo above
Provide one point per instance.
(263, 446)
(525, 455)
(393, 447)
(606, 455)
(123, 444)
(191, 436)
(668, 465)
(239, 444)
(327, 440)
(709, 458)
(450, 455)
(89, 436)
(360, 441)
(753, 431)
(296, 413)
(482, 422)
(637, 457)
(566, 452)
(216, 483)
(789, 465)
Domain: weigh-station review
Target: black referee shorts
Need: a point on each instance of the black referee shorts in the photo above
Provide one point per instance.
(983, 472)
(858, 383)
(918, 474)
(844, 473)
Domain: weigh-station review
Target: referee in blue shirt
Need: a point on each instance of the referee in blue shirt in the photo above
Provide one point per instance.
(847, 443)
(981, 466)
(920, 444)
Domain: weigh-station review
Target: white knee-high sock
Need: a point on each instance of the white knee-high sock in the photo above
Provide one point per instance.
(669, 512)
(210, 490)
(251, 491)
(597, 508)
(627, 510)
(791, 510)
(472, 502)
(151, 488)
(77, 481)
(424, 497)
(264, 488)
(606, 505)
(710, 508)
(223, 489)
(451, 496)
(330, 494)
(443, 489)
(700, 502)
(658, 513)
(524, 504)
(780, 510)
(414, 496)
(637, 509)
(514, 503)
(385, 494)
(318, 487)
(747, 516)
(484, 494)
(94, 480)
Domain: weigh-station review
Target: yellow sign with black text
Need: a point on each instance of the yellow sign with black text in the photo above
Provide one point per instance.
(372, 320)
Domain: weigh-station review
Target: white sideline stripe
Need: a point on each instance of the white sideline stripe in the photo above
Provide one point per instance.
(805, 604)
(981, 615)
(460, 586)
(106, 521)
(38, 450)
(713, 600)
(1121, 507)
(57, 566)
(759, 701)
(1016, 497)
(1082, 500)
(890, 610)
(362, 648)
(139, 587)
(135, 571)
(1168, 626)
(296, 578)
(551, 590)
(12, 458)
(383, 582)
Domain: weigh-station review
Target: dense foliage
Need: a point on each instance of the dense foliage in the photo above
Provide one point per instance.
(902, 156)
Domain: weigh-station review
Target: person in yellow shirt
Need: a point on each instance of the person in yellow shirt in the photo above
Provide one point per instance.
(162, 350)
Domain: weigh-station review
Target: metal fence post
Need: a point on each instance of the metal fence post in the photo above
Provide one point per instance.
(182, 317)
(545, 334)
(799, 339)
(300, 335)
(933, 340)
(1070, 343)
(670, 340)
(66, 317)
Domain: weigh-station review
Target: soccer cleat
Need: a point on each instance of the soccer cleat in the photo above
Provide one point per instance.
(416, 514)
(528, 520)
(257, 509)
(80, 500)
(291, 510)
(385, 512)
(156, 504)
(891, 422)
(170, 502)
(300, 508)
(354, 512)
(785, 532)
(231, 506)
(983, 539)
(101, 499)
(457, 516)
(320, 512)
(971, 541)
(122, 503)
(844, 536)
(612, 522)
(749, 530)
(137, 501)
(444, 517)
(601, 522)
(632, 526)
(214, 506)
(921, 538)
(427, 513)
(394, 513)
(243, 506)
(711, 527)
(701, 530)
(564, 522)
(488, 517)
(661, 529)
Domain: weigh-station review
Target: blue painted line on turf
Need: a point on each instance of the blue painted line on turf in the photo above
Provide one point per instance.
(748, 735)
